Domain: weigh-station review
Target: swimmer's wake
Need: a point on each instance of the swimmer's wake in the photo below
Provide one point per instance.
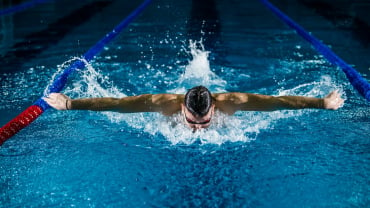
(243, 127)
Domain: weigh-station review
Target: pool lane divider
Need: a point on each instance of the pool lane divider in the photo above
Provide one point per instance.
(23, 6)
(357, 81)
(34, 111)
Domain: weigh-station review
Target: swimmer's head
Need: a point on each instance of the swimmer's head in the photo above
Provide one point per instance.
(198, 101)
(198, 108)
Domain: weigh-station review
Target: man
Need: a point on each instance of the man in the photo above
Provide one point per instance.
(197, 105)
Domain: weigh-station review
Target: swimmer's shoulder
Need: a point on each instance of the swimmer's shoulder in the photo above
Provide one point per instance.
(227, 102)
(168, 98)
(234, 97)
(168, 103)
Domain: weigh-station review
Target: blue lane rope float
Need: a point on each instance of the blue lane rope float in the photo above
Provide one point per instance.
(61, 79)
(21, 7)
(357, 81)
(31, 113)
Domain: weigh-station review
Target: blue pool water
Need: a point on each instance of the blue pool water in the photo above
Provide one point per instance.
(306, 158)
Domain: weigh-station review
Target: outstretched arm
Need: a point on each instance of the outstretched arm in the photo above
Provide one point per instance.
(232, 102)
(164, 103)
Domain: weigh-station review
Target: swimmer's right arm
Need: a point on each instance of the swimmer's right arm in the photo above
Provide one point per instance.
(164, 103)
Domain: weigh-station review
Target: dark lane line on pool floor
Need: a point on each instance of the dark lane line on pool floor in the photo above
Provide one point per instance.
(339, 16)
(37, 42)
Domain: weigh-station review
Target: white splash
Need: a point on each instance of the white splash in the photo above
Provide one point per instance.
(198, 71)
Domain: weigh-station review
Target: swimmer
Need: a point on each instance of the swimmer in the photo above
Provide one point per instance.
(197, 106)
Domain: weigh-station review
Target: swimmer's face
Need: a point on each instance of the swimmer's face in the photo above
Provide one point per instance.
(196, 122)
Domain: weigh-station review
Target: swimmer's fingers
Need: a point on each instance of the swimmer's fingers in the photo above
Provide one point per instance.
(57, 100)
(333, 100)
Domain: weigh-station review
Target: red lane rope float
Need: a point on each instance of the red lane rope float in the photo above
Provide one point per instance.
(19, 122)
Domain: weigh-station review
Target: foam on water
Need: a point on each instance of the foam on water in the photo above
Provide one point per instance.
(198, 71)
(242, 127)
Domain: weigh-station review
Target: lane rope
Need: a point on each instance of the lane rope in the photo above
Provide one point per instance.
(34, 111)
(21, 7)
(357, 81)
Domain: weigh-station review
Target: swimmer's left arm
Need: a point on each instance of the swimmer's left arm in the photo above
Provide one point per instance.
(232, 102)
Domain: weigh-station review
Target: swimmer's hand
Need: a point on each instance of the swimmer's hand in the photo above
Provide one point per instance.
(333, 101)
(58, 101)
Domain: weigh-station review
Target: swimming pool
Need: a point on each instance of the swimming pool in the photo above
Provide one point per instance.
(308, 158)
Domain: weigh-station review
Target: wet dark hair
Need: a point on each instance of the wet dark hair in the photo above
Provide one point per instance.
(198, 100)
